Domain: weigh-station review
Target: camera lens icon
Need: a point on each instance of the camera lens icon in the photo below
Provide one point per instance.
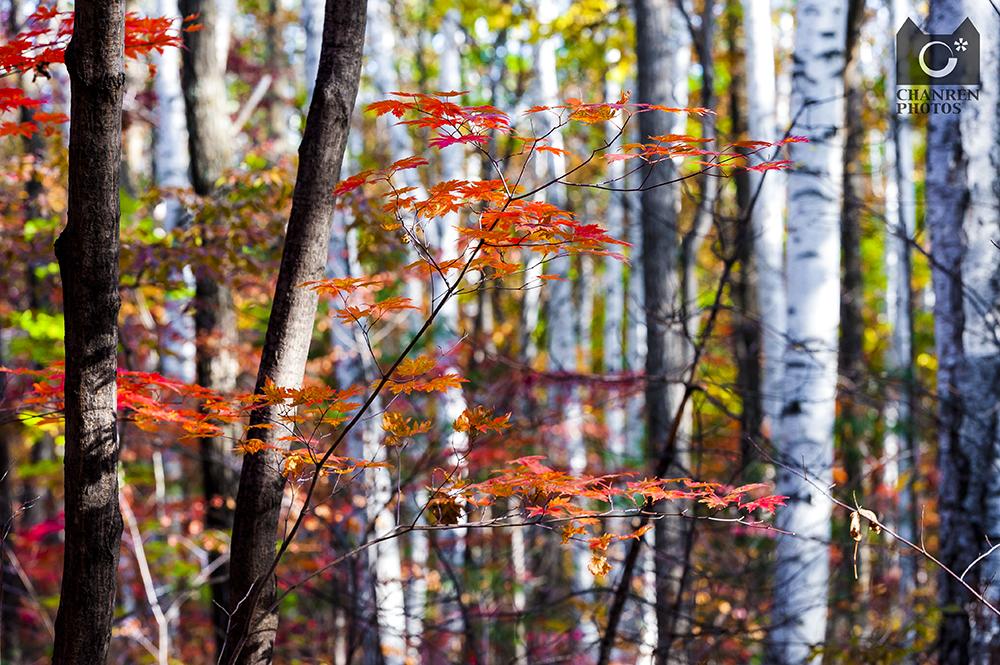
(960, 45)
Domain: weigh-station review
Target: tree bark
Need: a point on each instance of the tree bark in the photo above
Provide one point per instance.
(962, 200)
(899, 446)
(659, 38)
(805, 433)
(253, 626)
(203, 79)
(767, 223)
(87, 250)
(851, 424)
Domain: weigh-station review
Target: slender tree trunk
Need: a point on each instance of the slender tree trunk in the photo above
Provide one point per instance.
(87, 250)
(10, 585)
(659, 38)
(899, 446)
(447, 336)
(747, 337)
(851, 424)
(614, 298)
(561, 325)
(810, 375)
(254, 623)
(382, 46)
(210, 150)
(171, 168)
(768, 200)
(962, 200)
(378, 633)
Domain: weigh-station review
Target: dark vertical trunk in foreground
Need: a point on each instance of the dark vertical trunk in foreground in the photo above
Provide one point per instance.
(203, 80)
(87, 250)
(289, 330)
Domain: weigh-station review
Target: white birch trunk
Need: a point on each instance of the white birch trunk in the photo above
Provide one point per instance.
(170, 157)
(447, 333)
(805, 433)
(561, 324)
(614, 297)
(768, 197)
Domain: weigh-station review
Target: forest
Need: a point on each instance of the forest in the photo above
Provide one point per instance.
(389, 332)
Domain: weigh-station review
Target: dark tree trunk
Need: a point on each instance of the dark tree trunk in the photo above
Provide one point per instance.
(289, 330)
(87, 250)
(10, 585)
(203, 80)
(746, 338)
(851, 426)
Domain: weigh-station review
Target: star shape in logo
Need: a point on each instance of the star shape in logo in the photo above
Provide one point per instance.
(961, 44)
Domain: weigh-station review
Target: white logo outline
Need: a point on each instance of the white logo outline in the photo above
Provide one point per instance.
(937, 73)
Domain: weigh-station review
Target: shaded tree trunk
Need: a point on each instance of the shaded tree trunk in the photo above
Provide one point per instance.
(805, 433)
(747, 332)
(899, 446)
(851, 429)
(962, 200)
(210, 151)
(87, 250)
(659, 38)
(254, 624)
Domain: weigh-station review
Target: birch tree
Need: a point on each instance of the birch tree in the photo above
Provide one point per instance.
(614, 294)
(768, 200)
(805, 432)
(88, 253)
(170, 160)
(962, 200)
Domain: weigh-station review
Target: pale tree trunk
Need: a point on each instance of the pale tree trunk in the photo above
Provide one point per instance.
(805, 432)
(962, 200)
(561, 324)
(203, 78)
(899, 445)
(312, 23)
(614, 295)
(635, 331)
(87, 250)
(447, 332)
(661, 37)
(177, 357)
(383, 47)
(767, 196)
(354, 366)
(253, 627)
(177, 341)
(386, 559)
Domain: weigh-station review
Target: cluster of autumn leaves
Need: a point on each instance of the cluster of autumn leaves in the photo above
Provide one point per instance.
(503, 220)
